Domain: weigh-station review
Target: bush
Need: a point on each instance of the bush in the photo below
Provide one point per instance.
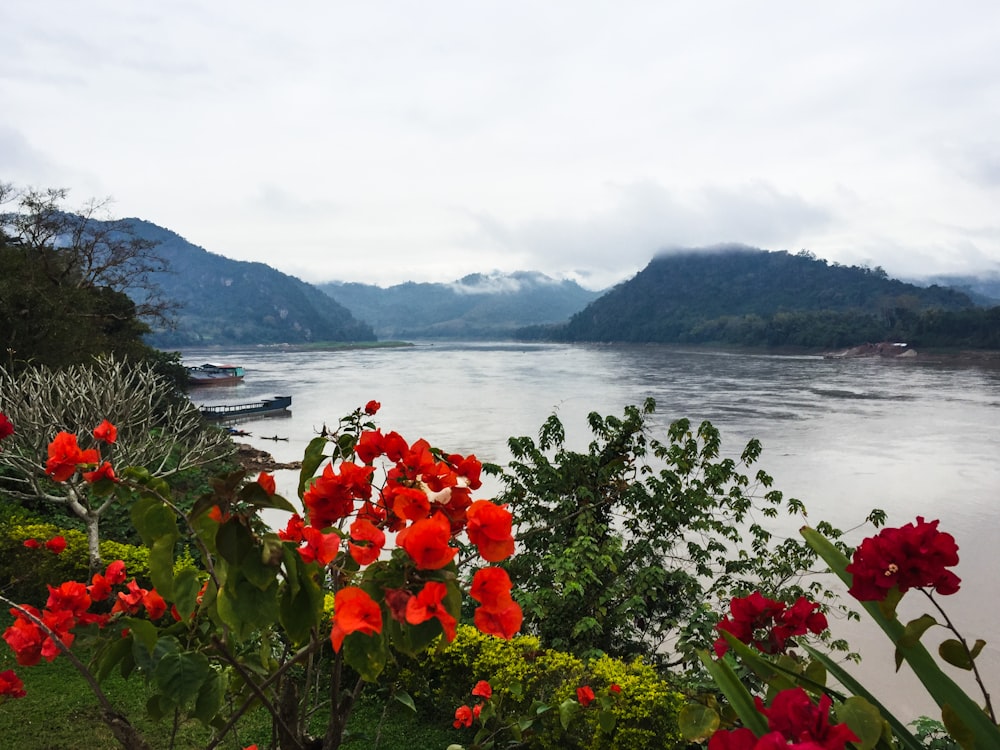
(521, 672)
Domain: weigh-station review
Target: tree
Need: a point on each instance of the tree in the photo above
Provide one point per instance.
(155, 430)
(624, 548)
(66, 279)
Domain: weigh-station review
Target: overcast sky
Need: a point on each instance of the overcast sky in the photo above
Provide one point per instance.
(389, 141)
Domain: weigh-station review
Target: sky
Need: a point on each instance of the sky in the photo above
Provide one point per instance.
(388, 141)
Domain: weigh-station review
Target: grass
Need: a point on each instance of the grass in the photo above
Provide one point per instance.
(60, 712)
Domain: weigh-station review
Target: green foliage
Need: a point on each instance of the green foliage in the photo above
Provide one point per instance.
(635, 542)
(525, 677)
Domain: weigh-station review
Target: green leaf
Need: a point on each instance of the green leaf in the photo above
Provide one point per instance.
(864, 719)
(301, 605)
(234, 541)
(915, 629)
(313, 457)
(406, 699)
(606, 720)
(143, 631)
(953, 651)
(110, 657)
(253, 494)
(567, 710)
(161, 566)
(186, 588)
(978, 647)
(180, 676)
(244, 607)
(153, 519)
(366, 654)
(739, 697)
(697, 722)
(210, 698)
(959, 730)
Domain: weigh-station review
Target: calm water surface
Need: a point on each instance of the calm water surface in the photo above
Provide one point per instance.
(843, 436)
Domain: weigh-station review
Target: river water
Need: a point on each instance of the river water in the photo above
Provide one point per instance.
(843, 436)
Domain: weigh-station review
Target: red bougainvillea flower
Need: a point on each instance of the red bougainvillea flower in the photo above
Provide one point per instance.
(6, 426)
(585, 695)
(409, 503)
(330, 498)
(489, 528)
(499, 614)
(768, 624)
(797, 719)
(130, 602)
(32, 543)
(100, 585)
(104, 471)
(372, 407)
(429, 603)
(70, 596)
(483, 689)
(426, 541)
(734, 739)
(913, 556)
(11, 685)
(266, 481)
(354, 611)
(463, 717)
(293, 530)
(155, 606)
(106, 432)
(65, 455)
(396, 600)
(56, 545)
(115, 572)
(30, 643)
(319, 547)
(367, 541)
(616, 689)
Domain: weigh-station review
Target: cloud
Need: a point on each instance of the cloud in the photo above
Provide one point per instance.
(645, 218)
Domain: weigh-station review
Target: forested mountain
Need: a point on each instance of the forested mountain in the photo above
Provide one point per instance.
(740, 295)
(476, 306)
(223, 301)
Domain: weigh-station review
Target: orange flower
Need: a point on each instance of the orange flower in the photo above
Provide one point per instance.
(115, 572)
(483, 689)
(426, 542)
(104, 471)
(65, 455)
(106, 432)
(154, 604)
(371, 538)
(354, 612)
(430, 603)
(266, 481)
(319, 546)
(463, 717)
(499, 614)
(489, 528)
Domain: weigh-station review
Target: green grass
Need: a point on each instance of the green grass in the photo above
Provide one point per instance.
(60, 712)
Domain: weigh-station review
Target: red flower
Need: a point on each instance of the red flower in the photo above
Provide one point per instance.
(372, 407)
(106, 432)
(10, 683)
(396, 600)
(767, 624)
(913, 556)
(354, 612)
(65, 455)
(499, 614)
(30, 643)
(32, 543)
(104, 471)
(266, 481)
(463, 717)
(293, 530)
(733, 739)
(154, 604)
(6, 426)
(367, 541)
(426, 541)
(429, 603)
(56, 545)
(409, 503)
(489, 528)
(319, 547)
(130, 602)
(115, 572)
(797, 719)
(585, 695)
(483, 689)
(331, 496)
(69, 597)
(616, 689)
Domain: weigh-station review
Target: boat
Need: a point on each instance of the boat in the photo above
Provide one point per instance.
(209, 374)
(276, 405)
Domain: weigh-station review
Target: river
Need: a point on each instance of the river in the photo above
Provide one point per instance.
(844, 436)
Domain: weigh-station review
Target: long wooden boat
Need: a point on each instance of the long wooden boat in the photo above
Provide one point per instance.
(258, 408)
(209, 374)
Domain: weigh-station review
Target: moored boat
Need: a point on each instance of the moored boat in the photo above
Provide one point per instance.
(209, 374)
(274, 405)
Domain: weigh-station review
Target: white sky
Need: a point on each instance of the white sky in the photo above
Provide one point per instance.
(388, 141)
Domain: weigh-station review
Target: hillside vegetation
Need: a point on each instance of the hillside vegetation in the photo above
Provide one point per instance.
(476, 306)
(223, 301)
(743, 296)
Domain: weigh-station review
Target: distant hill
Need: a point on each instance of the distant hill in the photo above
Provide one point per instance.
(984, 289)
(475, 306)
(736, 294)
(225, 302)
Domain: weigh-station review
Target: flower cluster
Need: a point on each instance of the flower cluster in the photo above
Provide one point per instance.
(56, 545)
(11, 685)
(793, 721)
(912, 556)
(36, 635)
(66, 456)
(464, 714)
(768, 624)
(426, 501)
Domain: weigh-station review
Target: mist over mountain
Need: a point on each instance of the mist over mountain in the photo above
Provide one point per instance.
(482, 305)
(224, 302)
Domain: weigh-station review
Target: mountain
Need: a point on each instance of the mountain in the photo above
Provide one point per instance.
(225, 302)
(738, 294)
(983, 289)
(476, 306)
